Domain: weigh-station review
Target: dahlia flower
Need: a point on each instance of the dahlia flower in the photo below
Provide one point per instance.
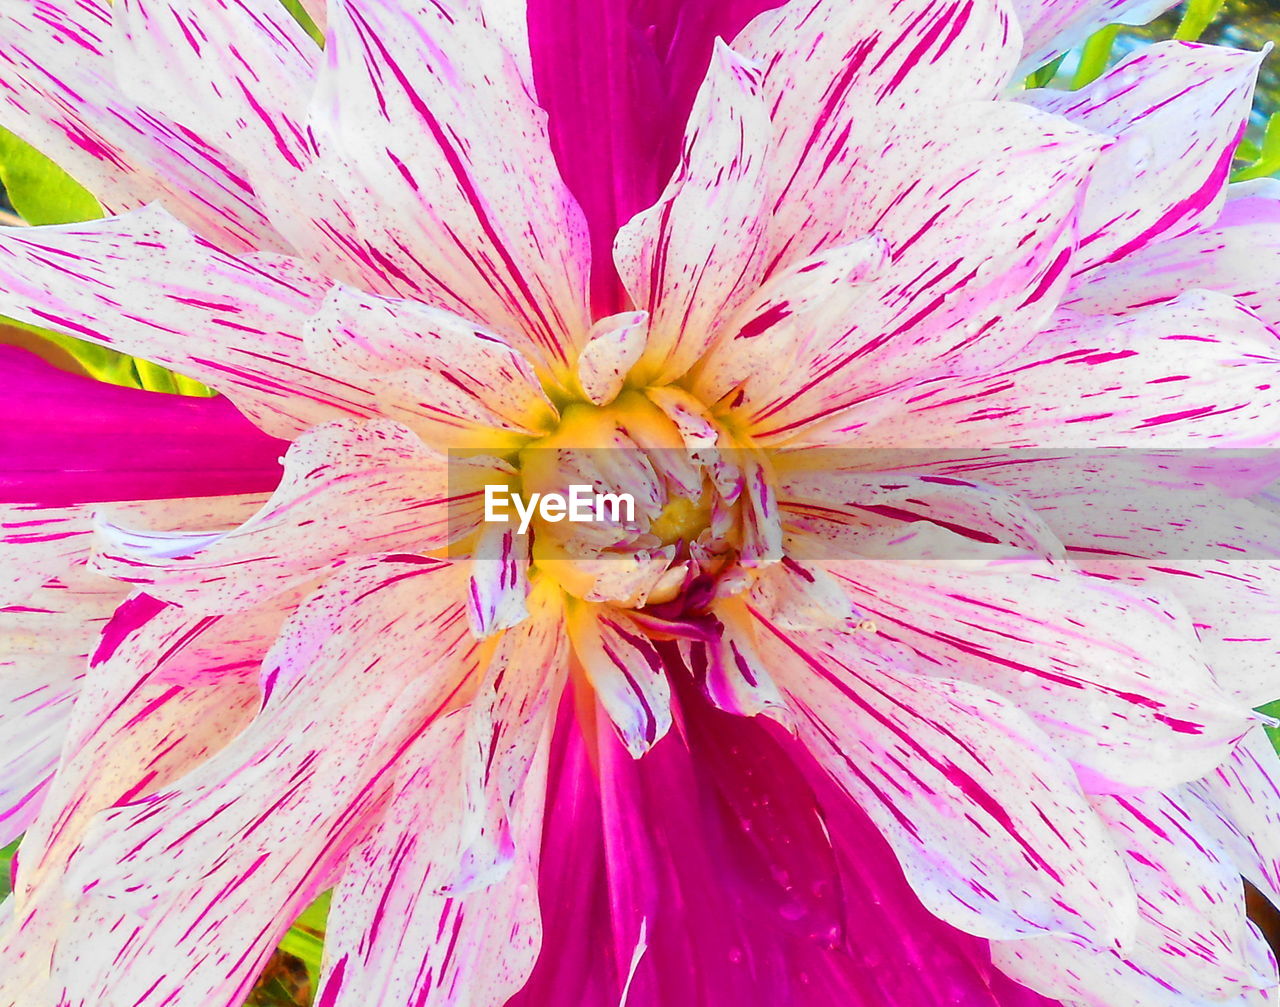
(892, 690)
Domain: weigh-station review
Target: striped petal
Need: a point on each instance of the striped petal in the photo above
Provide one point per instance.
(167, 690)
(1051, 27)
(1237, 255)
(1194, 372)
(60, 92)
(978, 255)
(237, 72)
(1241, 806)
(1177, 112)
(142, 284)
(626, 671)
(838, 75)
(452, 381)
(467, 199)
(1194, 943)
(349, 488)
(695, 255)
(467, 951)
(985, 817)
(1235, 605)
(1112, 675)
(507, 725)
(193, 886)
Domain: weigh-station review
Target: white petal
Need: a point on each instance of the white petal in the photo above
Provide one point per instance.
(1177, 112)
(60, 93)
(693, 256)
(626, 671)
(450, 162)
(986, 818)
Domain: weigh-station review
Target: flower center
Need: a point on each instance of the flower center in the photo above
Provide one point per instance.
(652, 504)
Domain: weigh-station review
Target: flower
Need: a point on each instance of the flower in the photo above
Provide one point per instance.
(892, 691)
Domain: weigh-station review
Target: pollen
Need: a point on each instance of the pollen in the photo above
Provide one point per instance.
(681, 519)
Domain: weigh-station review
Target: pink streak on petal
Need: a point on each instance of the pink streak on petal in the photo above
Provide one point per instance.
(67, 439)
(750, 895)
(618, 80)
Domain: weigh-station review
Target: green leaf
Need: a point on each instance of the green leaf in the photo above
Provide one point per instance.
(1197, 17)
(1095, 56)
(6, 859)
(1273, 733)
(39, 190)
(111, 366)
(305, 939)
(300, 15)
(1268, 155)
(1044, 76)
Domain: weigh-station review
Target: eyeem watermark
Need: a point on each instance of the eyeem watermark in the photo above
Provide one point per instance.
(583, 504)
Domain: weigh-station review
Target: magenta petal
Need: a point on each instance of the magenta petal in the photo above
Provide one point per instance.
(67, 439)
(753, 881)
(618, 79)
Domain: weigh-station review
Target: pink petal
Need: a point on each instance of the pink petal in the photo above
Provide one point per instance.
(142, 283)
(1177, 111)
(66, 439)
(741, 875)
(467, 198)
(695, 255)
(618, 81)
(60, 93)
(1111, 674)
(986, 818)
(1237, 255)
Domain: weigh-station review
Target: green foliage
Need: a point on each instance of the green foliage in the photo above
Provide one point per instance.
(1044, 76)
(39, 190)
(1272, 710)
(300, 15)
(1197, 17)
(1265, 157)
(305, 939)
(1095, 56)
(6, 859)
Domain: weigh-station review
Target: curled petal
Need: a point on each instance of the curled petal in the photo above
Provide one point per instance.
(627, 672)
(347, 485)
(1177, 112)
